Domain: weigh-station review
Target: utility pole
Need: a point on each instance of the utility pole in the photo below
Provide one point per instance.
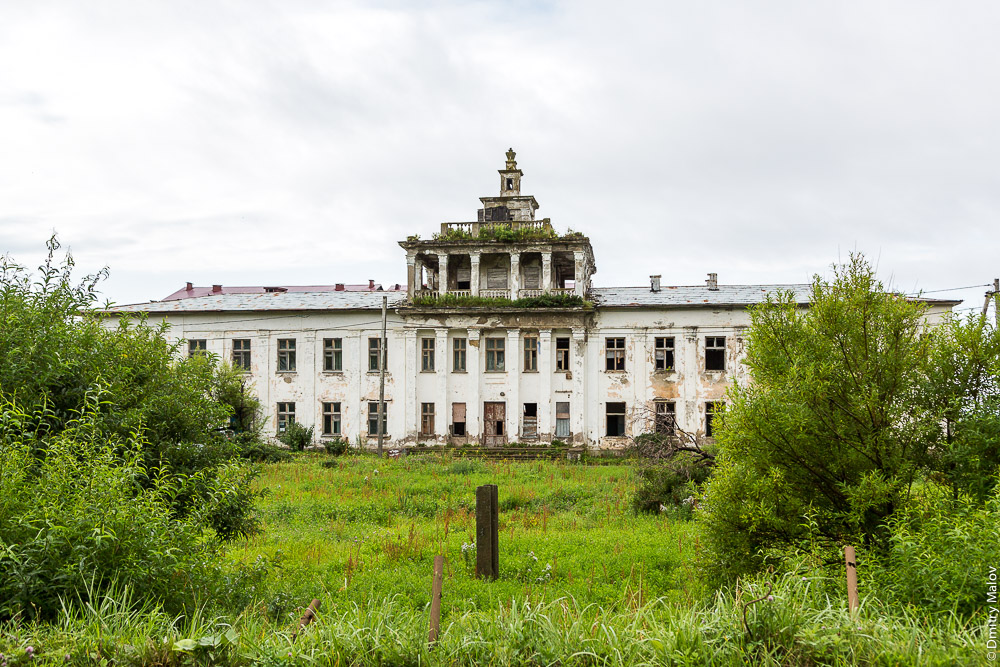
(381, 379)
(996, 302)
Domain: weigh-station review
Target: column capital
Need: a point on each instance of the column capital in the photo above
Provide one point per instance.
(474, 334)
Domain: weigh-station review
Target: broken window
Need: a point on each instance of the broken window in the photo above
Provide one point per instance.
(427, 355)
(562, 419)
(510, 183)
(494, 424)
(614, 351)
(331, 418)
(375, 356)
(286, 355)
(463, 277)
(241, 353)
(615, 415)
(197, 346)
(711, 409)
(715, 353)
(562, 354)
(333, 354)
(286, 415)
(373, 418)
(664, 353)
(458, 419)
(427, 419)
(531, 353)
(529, 421)
(666, 417)
(495, 354)
(458, 355)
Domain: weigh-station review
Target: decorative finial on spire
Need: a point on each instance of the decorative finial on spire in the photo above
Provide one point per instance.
(511, 162)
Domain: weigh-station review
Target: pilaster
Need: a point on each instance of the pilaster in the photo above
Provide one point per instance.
(547, 271)
(579, 407)
(513, 366)
(442, 274)
(409, 405)
(545, 407)
(474, 405)
(442, 407)
(515, 274)
(474, 277)
(579, 278)
(410, 276)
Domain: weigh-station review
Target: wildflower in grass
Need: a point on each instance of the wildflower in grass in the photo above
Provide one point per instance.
(30, 650)
(770, 598)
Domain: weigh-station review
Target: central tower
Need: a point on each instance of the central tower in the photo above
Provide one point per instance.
(505, 255)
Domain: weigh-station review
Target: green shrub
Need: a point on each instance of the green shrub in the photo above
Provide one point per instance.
(254, 450)
(674, 483)
(336, 446)
(940, 553)
(297, 436)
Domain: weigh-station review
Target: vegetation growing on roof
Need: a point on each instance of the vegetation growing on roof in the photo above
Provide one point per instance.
(503, 233)
(543, 301)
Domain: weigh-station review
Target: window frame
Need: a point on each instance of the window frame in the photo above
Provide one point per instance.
(664, 417)
(427, 414)
(717, 350)
(427, 345)
(284, 415)
(663, 353)
(286, 355)
(332, 418)
(197, 346)
(711, 410)
(459, 348)
(333, 355)
(242, 358)
(375, 356)
(496, 348)
(373, 418)
(567, 420)
(618, 415)
(614, 354)
(562, 354)
(530, 353)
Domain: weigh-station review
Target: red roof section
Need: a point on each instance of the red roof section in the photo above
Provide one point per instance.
(191, 290)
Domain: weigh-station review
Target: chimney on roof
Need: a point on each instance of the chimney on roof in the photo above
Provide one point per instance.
(713, 282)
(371, 284)
(339, 287)
(190, 286)
(654, 283)
(216, 289)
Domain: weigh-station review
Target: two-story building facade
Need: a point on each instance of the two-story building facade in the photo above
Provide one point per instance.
(499, 336)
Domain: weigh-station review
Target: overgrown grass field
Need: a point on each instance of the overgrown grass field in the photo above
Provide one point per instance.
(584, 580)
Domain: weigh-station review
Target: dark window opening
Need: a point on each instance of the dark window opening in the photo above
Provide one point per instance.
(373, 418)
(375, 356)
(331, 418)
(710, 411)
(715, 353)
(427, 419)
(426, 355)
(458, 419)
(286, 415)
(529, 421)
(614, 351)
(664, 354)
(458, 359)
(333, 354)
(286, 354)
(241, 353)
(666, 417)
(196, 347)
(615, 413)
(562, 354)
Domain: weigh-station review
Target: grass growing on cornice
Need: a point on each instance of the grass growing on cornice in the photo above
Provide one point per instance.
(543, 301)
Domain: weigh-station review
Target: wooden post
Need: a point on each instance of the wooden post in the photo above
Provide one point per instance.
(852, 579)
(435, 624)
(487, 529)
(382, 354)
(307, 617)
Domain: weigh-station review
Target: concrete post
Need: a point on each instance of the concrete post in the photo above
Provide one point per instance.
(578, 277)
(474, 277)
(547, 272)
(515, 274)
(442, 274)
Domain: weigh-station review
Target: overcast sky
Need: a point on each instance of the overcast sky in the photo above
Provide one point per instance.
(296, 142)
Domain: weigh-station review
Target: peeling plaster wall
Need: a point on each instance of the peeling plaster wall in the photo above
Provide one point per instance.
(587, 386)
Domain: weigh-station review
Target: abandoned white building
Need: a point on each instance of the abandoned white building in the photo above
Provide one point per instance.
(498, 336)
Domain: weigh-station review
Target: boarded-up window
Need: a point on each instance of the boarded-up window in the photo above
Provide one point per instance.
(532, 277)
(458, 418)
(529, 421)
(463, 275)
(496, 278)
(562, 419)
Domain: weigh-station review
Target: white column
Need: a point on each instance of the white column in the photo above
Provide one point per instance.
(474, 277)
(442, 406)
(418, 274)
(442, 274)
(515, 274)
(578, 406)
(409, 404)
(355, 344)
(578, 277)
(546, 272)
(411, 266)
(513, 366)
(473, 404)
(545, 407)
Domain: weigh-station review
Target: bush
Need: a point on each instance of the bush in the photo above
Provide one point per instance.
(336, 446)
(297, 436)
(675, 483)
(256, 451)
(940, 553)
(65, 534)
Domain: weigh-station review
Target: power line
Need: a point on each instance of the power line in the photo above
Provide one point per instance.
(947, 289)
